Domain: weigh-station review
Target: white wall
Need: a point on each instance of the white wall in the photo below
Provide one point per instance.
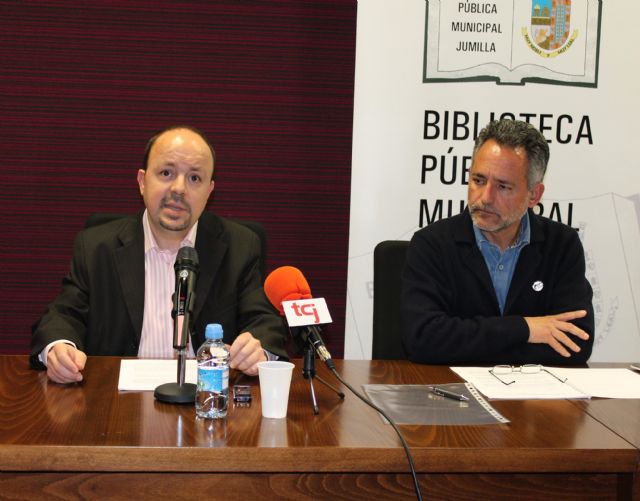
(587, 100)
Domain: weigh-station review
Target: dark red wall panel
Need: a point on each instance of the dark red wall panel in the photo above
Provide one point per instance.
(84, 84)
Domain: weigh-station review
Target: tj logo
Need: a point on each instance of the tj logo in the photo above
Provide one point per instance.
(306, 310)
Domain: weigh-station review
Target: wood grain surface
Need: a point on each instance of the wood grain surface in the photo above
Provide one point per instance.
(87, 440)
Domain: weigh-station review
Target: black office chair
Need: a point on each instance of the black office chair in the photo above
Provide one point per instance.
(388, 261)
(103, 217)
(106, 217)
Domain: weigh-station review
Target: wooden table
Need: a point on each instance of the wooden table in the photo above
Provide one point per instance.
(623, 418)
(90, 441)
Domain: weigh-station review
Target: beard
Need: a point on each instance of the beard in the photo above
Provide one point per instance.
(502, 221)
(179, 224)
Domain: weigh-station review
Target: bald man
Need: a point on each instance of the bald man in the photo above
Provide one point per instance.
(116, 299)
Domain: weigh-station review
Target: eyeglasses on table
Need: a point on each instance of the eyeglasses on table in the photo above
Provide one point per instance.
(503, 370)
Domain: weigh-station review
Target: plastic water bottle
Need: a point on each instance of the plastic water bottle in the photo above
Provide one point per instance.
(212, 393)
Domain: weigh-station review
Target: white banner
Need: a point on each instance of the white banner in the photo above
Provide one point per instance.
(430, 74)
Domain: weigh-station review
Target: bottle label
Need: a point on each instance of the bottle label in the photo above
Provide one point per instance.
(214, 379)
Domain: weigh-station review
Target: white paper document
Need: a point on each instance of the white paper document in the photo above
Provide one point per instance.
(604, 382)
(580, 383)
(147, 374)
(541, 385)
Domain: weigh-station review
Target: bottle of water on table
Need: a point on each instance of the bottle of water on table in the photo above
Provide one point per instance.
(212, 393)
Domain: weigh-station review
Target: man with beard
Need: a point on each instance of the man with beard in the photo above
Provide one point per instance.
(116, 299)
(499, 284)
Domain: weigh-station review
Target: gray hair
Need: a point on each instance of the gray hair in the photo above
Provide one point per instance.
(519, 134)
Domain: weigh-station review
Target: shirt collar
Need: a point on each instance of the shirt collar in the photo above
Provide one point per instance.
(150, 241)
(524, 235)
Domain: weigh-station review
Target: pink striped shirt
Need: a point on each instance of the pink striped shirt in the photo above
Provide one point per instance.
(156, 340)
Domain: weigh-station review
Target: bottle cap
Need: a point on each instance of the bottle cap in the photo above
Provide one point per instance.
(213, 331)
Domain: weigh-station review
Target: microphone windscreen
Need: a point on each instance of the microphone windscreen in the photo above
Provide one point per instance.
(286, 284)
(187, 258)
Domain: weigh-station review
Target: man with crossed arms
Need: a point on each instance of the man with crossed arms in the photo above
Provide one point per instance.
(499, 284)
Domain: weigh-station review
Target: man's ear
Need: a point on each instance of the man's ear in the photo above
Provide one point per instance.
(140, 179)
(536, 194)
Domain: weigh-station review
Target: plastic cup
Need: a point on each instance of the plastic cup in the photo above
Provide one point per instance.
(275, 381)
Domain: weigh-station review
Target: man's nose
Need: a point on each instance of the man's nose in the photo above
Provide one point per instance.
(488, 192)
(178, 184)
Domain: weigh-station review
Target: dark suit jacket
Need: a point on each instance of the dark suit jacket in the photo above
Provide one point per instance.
(101, 305)
(450, 310)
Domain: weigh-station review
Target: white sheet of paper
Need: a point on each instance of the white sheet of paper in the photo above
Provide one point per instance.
(527, 386)
(148, 374)
(581, 383)
(604, 382)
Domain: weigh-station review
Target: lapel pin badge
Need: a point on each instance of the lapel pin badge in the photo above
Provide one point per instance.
(537, 286)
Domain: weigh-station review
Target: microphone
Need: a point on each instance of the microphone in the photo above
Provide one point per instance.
(184, 298)
(288, 284)
(187, 268)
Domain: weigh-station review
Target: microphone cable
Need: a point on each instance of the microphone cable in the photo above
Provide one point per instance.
(407, 451)
(288, 283)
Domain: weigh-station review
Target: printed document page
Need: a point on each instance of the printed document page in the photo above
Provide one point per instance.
(580, 383)
(147, 374)
(603, 382)
(541, 385)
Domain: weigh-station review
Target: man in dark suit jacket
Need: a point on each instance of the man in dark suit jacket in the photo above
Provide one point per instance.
(102, 307)
(498, 284)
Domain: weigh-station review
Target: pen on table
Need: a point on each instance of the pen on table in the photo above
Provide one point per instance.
(448, 394)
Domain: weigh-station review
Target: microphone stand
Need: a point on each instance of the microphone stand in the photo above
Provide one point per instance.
(180, 392)
(309, 372)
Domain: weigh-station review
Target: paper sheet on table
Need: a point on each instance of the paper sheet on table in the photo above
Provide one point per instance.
(581, 383)
(603, 382)
(147, 374)
(541, 385)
